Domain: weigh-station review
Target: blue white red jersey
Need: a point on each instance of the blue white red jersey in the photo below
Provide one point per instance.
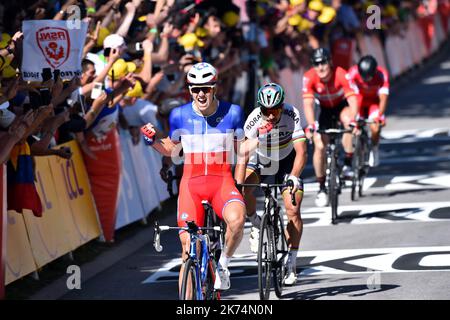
(207, 141)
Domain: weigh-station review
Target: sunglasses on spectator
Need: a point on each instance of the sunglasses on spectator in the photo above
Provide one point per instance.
(197, 90)
(318, 63)
(272, 111)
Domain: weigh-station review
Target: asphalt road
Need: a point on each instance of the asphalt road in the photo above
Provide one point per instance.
(393, 243)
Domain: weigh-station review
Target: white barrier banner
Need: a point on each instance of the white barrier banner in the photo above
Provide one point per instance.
(130, 207)
(52, 44)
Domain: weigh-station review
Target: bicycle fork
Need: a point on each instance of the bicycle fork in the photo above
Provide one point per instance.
(198, 271)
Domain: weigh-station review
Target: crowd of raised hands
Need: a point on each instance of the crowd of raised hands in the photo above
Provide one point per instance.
(137, 53)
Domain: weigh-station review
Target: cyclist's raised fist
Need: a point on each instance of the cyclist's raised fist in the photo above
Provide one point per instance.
(148, 131)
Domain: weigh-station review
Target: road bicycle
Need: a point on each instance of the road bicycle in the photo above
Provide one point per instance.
(200, 267)
(360, 164)
(272, 248)
(334, 178)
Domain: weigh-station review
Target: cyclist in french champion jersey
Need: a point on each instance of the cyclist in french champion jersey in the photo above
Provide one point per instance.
(275, 146)
(337, 98)
(373, 86)
(206, 130)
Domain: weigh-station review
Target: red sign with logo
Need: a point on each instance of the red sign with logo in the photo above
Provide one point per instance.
(54, 43)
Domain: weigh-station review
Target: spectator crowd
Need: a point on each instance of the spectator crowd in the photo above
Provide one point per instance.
(136, 56)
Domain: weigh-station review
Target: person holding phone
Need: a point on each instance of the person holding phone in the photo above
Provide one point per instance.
(111, 43)
(90, 81)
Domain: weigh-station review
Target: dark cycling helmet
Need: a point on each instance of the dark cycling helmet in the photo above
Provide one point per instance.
(319, 55)
(367, 66)
(270, 96)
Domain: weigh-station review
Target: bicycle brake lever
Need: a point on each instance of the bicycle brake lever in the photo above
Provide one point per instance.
(291, 185)
(157, 238)
(294, 203)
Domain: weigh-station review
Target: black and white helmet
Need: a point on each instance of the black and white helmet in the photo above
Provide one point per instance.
(270, 96)
(202, 74)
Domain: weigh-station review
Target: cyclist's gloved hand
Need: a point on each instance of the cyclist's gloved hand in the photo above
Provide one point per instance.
(264, 130)
(381, 120)
(355, 126)
(310, 129)
(164, 173)
(296, 182)
(148, 132)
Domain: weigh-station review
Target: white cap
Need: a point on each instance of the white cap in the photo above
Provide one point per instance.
(4, 105)
(113, 41)
(6, 118)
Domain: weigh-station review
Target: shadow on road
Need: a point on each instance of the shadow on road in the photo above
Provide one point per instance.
(400, 192)
(350, 290)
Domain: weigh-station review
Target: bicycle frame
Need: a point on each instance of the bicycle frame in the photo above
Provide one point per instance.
(362, 146)
(201, 262)
(333, 171)
(271, 265)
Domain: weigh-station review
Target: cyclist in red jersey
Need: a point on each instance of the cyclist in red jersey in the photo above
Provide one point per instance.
(337, 98)
(373, 86)
(207, 130)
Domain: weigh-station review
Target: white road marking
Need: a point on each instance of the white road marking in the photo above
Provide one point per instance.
(346, 261)
(371, 214)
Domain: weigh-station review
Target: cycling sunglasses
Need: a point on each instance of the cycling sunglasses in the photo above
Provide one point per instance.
(197, 90)
(321, 62)
(272, 111)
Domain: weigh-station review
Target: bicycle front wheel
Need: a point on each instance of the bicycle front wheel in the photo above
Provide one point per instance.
(279, 271)
(265, 257)
(333, 189)
(356, 165)
(208, 287)
(189, 282)
(364, 168)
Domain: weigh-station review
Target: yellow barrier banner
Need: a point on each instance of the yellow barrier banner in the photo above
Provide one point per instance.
(19, 258)
(47, 234)
(74, 193)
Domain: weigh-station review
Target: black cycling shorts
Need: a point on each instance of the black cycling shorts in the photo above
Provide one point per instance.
(329, 117)
(284, 167)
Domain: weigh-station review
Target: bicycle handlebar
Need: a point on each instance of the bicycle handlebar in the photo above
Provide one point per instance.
(289, 184)
(262, 185)
(191, 228)
(332, 131)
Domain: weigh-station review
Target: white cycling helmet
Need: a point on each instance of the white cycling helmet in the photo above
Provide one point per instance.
(202, 74)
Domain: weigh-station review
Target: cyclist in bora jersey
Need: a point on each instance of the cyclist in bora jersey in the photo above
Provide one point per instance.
(275, 131)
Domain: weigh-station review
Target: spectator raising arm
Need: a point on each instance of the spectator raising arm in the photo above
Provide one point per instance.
(40, 148)
(63, 11)
(127, 20)
(104, 99)
(162, 55)
(15, 133)
(115, 54)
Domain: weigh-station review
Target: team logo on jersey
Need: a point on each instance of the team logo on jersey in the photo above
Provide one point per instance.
(184, 216)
